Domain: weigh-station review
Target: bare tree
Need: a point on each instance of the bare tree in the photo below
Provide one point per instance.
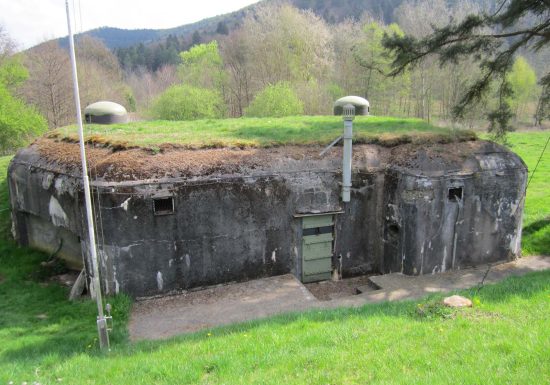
(7, 45)
(146, 85)
(49, 85)
(235, 54)
(286, 44)
(429, 82)
(100, 75)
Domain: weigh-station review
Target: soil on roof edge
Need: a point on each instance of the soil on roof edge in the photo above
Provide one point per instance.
(173, 161)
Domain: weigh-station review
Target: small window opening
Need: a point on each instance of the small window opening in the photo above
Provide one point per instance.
(163, 206)
(318, 230)
(455, 193)
(393, 229)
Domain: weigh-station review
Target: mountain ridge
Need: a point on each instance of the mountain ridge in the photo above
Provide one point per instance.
(332, 11)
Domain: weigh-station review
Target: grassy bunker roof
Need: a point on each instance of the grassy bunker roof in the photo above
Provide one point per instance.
(261, 132)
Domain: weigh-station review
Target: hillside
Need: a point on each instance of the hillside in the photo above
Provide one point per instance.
(333, 11)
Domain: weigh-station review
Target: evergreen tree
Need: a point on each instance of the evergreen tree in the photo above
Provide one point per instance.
(196, 39)
(222, 28)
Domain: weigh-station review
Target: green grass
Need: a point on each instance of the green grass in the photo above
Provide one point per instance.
(536, 220)
(263, 132)
(504, 339)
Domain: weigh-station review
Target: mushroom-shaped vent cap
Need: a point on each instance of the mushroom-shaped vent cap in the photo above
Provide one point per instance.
(361, 105)
(105, 112)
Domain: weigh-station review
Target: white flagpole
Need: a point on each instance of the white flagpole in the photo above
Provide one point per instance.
(101, 321)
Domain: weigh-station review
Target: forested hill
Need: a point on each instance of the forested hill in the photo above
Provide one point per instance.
(333, 11)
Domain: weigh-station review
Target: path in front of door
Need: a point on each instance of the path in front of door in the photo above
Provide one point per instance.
(164, 317)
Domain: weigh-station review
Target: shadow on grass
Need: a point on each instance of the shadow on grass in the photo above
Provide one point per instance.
(536, 237)
(37, 319)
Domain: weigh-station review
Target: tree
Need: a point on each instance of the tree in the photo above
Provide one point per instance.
(235, 53)
(184, 102)
(386, 94)
(276, 100)
(99, 73)
(222, 28)
(12, 72)
(49, 86)
(196, 38)
(18, 122)
(492, 40)
(146, 86)
(523, 83)
(202, 66)
(285, 44)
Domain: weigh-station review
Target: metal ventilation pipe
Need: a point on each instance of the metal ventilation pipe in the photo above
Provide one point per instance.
(348, 115)
(348, 107)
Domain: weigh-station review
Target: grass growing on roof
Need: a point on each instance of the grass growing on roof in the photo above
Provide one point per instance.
(503, 339)
(263, 132)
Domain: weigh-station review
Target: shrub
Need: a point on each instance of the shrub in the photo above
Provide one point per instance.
(184, 102)
(19, 123)
(275, 100)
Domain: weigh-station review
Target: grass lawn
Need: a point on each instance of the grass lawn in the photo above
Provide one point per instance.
(263, 132)
(504, 339)
(536, 220)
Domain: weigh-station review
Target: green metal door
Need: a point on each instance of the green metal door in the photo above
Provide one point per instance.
(317, 237)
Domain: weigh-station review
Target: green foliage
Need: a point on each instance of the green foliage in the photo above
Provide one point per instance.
(335, 91)
(202, 66)
(130, 101)
(152, 56)
(523, 82)
(202, 54)
(275, 100)
(522, 79)
(183, 102)
(12, 72)
(432, 309)
(18, 122)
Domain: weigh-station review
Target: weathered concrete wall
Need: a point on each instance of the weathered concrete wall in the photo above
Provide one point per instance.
(429, 230)
(245, 225)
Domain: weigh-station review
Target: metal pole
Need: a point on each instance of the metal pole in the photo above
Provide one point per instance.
(348, 115)
(101, 321)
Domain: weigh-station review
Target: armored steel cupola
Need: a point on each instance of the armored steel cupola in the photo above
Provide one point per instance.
(362, 105)
(105, 112)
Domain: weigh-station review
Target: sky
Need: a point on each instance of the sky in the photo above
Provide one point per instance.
(29, 22)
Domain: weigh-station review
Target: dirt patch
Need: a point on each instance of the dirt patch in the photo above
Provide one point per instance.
(328, 290)
(170, 161)
(67, 279)
(433, 157)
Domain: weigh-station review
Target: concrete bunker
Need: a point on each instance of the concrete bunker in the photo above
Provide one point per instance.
(181, 219)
